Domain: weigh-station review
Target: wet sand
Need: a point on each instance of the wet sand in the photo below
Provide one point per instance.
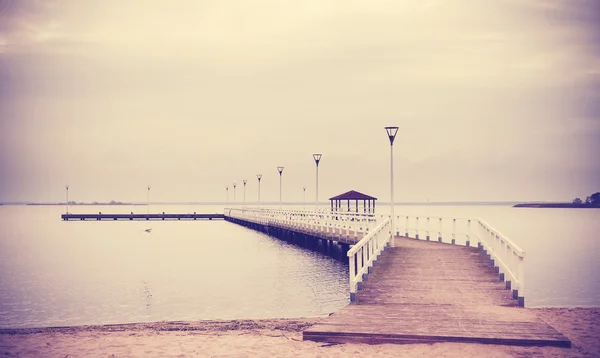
(273, 338)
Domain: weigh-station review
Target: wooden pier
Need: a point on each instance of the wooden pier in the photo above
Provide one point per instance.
(132, 216)
(426, 292)
(406, 290)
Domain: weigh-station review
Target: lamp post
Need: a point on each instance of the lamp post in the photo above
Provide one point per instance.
(227, 191)
(317, 158)
(234, 185)
(391, 132)
(280, 170)
(67, 188)
(258, 176)
(244, 181)
(148, 201)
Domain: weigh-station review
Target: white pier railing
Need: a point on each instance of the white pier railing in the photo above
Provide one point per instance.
(368, 232)
(348, 228)
(452, 230)
(507, 256)
(362, 256)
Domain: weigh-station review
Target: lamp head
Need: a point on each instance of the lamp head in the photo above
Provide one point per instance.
(391, 132)
(244, 181)
(317, 158)
(259, 176)
(280, 170)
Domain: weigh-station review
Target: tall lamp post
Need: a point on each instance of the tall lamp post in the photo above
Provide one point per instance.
(280, 170)
(244, 181)
(234, 185)
(148, 201)
(391, 132)
(67, 188)
(258, 176)
(317, 158)
(227, 191)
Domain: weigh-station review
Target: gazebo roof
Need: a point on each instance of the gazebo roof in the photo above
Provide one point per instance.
(353, 195)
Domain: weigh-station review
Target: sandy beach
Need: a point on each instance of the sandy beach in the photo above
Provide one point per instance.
(272, 338)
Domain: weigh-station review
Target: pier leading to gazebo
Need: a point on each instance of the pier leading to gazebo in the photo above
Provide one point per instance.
(356, 202)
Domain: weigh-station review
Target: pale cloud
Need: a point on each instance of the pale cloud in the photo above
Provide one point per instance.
(186, 92)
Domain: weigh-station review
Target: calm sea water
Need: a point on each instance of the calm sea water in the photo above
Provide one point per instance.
(55, 273)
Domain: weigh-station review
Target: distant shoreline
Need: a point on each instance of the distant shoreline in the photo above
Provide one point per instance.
(558, 205)
(513, 204)
(271, 203)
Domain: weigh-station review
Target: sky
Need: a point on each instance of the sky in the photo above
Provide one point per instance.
(495, 100)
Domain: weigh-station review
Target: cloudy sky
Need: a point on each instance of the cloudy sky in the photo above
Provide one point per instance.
(495, 99)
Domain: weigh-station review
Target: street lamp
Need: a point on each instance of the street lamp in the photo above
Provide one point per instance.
(391, 132)
(148, 201)
(280, 170)
(258, 176)
(67, 187)
(317, 158)
(234, 185)
(244, 181)
(227, 191)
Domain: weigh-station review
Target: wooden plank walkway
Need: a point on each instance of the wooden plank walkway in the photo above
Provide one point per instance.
(132, 216)
(424, 292)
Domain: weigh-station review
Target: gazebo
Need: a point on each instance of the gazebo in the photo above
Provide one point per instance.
(352, 195)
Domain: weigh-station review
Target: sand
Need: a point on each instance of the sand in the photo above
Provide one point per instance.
(273, 338)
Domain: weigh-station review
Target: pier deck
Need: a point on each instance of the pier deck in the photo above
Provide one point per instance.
(425, 292)
(162, 216)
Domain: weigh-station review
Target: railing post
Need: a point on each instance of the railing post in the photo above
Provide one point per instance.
(406, 228)
(427, 229)
(440, 230)
(453, 231)
(352, 274)
(417, 228)
(468, 242)
(521, 275)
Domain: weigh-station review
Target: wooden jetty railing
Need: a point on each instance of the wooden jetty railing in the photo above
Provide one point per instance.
(363, 254)
(506, 257)
(347, 228)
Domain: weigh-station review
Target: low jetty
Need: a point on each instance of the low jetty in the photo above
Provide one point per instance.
(100, 216)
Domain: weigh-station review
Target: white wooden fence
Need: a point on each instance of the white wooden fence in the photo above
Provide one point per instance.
(344, 227)
(507, 256)
(370, 233)
(362, 256)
